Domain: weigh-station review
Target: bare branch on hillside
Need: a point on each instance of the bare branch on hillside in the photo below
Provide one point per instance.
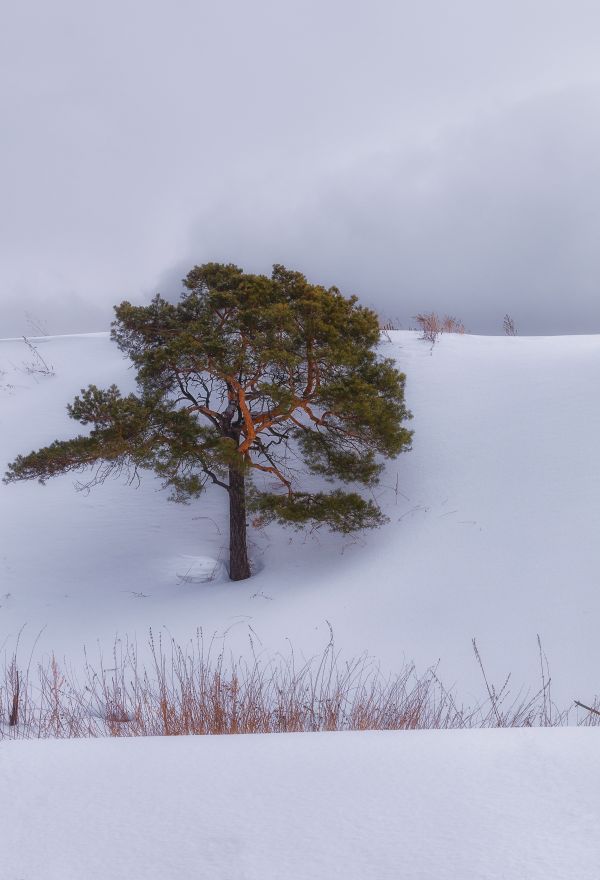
(385, 329)
(38, 366)
(431, 325)
(509, 326)
(587, 708)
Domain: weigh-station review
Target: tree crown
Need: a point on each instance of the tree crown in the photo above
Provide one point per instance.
(260, 374)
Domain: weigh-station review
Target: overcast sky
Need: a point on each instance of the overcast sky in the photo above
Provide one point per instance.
(424, 155)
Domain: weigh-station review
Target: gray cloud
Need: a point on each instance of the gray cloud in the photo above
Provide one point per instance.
(426, 155)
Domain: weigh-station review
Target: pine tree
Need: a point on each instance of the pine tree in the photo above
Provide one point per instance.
(246, 374)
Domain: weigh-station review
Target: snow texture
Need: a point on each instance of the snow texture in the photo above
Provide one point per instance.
(425, 805)
(200, 569)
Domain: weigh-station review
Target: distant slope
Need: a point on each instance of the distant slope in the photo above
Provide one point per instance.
(493, 528)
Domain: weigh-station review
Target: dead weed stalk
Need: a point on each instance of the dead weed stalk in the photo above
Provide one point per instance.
(197, 689)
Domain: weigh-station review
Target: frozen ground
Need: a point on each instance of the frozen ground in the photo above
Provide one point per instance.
(425, 805)
(493, 533)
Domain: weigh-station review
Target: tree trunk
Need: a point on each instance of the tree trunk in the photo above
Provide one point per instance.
(239, 567)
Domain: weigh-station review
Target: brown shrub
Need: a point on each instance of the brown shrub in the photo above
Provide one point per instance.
(431, 325)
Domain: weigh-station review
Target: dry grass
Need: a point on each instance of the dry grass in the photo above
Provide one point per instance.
(385, 328)
(432, 325)
(194, 690)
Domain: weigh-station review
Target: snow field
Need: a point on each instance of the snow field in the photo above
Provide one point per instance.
(494, 518)
(423, 805)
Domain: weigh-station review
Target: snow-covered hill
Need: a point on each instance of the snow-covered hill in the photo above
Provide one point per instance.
(493, 532)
